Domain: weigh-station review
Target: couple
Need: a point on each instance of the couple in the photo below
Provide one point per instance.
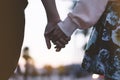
(102, 14)
(102, 54)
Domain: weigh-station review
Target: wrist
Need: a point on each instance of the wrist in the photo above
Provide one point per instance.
(54, 20)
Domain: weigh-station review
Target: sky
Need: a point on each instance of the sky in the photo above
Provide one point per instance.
(34, 37)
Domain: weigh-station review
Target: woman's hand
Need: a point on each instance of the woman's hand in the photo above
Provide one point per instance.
(56, 35)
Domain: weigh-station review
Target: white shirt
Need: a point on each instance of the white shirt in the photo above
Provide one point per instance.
(85, 14)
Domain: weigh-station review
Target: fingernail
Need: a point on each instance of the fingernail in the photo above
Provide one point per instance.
(58, 49)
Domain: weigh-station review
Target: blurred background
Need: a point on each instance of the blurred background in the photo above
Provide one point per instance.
(39, 63)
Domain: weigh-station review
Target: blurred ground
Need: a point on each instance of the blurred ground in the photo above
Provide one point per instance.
(52, 78)
(68, 72)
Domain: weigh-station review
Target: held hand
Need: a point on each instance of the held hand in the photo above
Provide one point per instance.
(47, 34)
(59, 38)
(56, 35)
(52, 21)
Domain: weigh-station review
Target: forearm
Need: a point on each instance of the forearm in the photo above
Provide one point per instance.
(51, 10)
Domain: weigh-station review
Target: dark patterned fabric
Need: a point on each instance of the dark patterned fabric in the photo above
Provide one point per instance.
(102, 55)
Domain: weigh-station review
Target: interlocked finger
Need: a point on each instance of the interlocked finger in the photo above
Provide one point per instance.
(59, 44)
(57, 34)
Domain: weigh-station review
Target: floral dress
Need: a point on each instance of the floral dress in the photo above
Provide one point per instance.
(102, 55)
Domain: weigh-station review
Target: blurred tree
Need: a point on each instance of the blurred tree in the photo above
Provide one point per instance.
(61, 71)
(26, 55)
(30, 69)
(49, 70)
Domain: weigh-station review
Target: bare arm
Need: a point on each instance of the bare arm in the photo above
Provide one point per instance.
(51, 10)
(52, 18)
(52, 31)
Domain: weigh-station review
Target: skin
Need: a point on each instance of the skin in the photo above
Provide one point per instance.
(12, 22)
(53, 32)
(60, 39)
(11, 36)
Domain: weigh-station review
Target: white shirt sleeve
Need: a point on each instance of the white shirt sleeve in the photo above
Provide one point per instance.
(85, 14)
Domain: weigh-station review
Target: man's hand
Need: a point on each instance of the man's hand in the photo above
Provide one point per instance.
(59, 38)
(56, 35)
(48, 32)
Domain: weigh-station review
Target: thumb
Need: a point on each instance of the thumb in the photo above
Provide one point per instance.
(48, 42)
